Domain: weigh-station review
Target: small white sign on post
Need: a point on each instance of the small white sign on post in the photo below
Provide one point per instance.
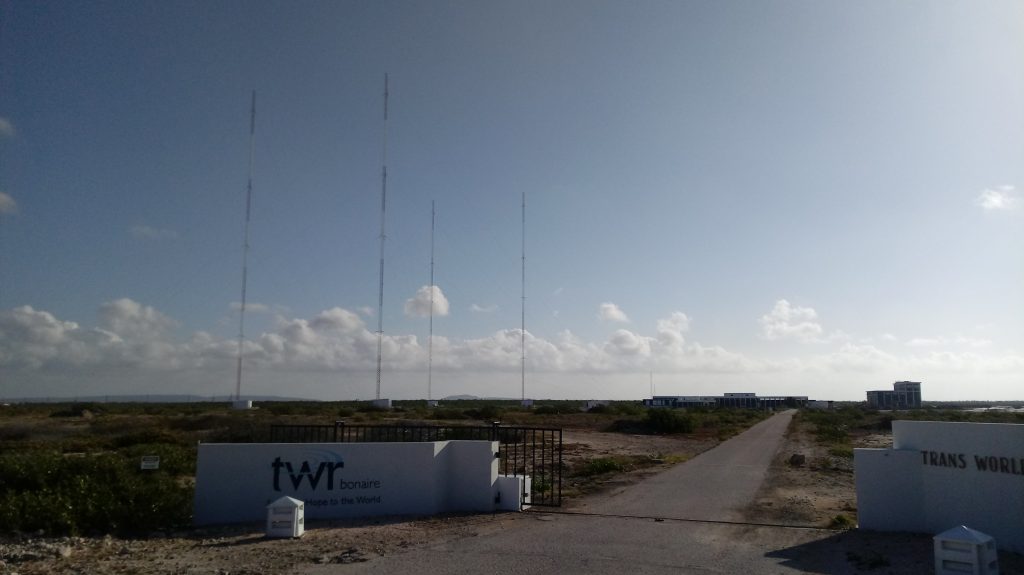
(150, 462)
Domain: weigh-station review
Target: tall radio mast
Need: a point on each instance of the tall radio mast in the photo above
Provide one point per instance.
(245, 248)
(383, 209)
(430, 334)
(522, 327)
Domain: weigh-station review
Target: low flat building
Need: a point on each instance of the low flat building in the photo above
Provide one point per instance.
(729, 400)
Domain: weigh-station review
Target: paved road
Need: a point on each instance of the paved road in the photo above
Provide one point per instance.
(622, 535)
(715, 485)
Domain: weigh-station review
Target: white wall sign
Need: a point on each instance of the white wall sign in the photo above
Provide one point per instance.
(235, 482)
(939, 475)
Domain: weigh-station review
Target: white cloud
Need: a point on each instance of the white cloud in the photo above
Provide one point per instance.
(6, 128)
(608, 311)
(483, 308)
(250, 306)
(419, 304)
(7, 204)
(947, 341)
(852, 357)
(670, 330)
(337, 339)
(132, 320)
(130, 335)
(1001, 198)
(787, 321)
(367, 311)
(625, 342)
(136, 343)
(151, 233)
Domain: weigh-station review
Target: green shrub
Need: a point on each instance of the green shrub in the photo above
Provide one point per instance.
(485, 413)
(841, 521)
(831, 434)
(148, 436)
(669, 421)
(447, 413)
(601, 465)
(627, 408)
(844, 451)
(74, 410)
(88, 494)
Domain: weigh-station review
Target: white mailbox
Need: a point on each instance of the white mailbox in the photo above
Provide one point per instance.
(286, 518)
(965, 550)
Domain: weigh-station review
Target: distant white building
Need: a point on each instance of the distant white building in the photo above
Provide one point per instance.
(904, 395)
(733, 400)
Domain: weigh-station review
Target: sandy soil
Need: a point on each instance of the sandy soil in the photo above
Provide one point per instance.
(814, 491)
(809, 494)
(821, 488)
(243, 550)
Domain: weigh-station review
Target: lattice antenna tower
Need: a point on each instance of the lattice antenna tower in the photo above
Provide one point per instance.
(383, 211)
(430, 333)
(522, 324)
(245, 248)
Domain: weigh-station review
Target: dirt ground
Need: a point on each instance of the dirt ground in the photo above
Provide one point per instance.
(809, 494)
(243, 549)
(816, 491)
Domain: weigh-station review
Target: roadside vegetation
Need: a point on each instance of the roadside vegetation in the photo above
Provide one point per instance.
(811, 479)
(75, 468)
(840, 428)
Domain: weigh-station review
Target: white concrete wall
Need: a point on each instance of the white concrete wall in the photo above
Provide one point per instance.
(940, 474)
(471, 472)
(235, 482)
(889, 496)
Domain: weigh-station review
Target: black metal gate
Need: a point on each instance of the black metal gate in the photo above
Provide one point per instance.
(532, 451)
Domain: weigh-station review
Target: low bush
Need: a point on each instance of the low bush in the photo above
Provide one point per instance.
(88, 494)
(669, 421)
(601, 465)
(844, 451)
(447, 413)
(841, 521)
(627, 408)
(485, 413)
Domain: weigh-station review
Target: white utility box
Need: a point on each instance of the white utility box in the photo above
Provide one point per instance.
(964, 550)
(286, 518)
(512, 493)
(381, 403)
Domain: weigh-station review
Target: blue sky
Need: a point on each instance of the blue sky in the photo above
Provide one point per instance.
(814, 198)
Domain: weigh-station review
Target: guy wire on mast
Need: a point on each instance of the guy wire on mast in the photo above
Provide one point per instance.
(245, 248)
(383, 208)
(522, 327)
(430, 333)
